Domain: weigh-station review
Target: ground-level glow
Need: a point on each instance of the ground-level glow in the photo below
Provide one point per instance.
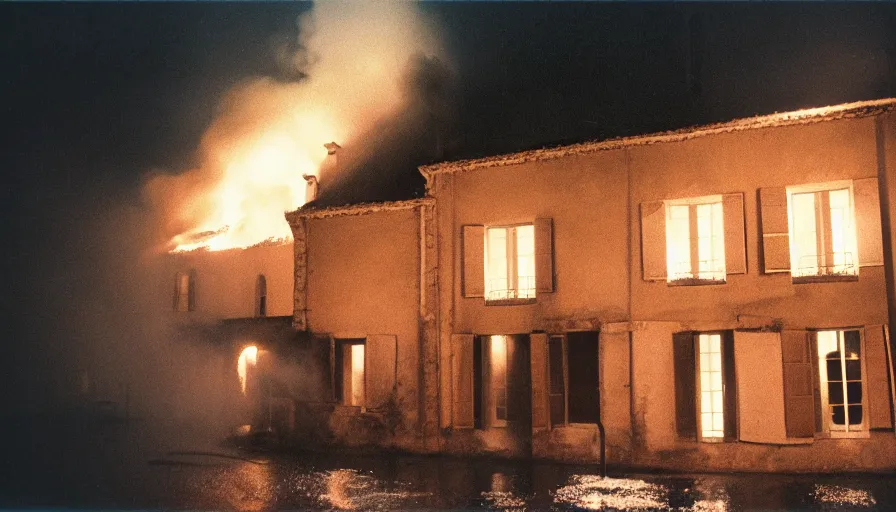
(248, 357)
(357, 396)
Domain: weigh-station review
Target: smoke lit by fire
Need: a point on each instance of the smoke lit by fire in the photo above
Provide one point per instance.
(351, 58)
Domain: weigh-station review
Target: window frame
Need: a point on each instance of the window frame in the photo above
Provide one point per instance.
(823, 216)
(698, 386)
(340, 345)
(864, 429)
(564, 365)
(184, 296)
(693, 240)
(512, 264)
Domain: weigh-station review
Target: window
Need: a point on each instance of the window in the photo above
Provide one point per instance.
(705, 397)
(822, 231)
(350, 372)
(501, 389)
(261, 296)
(510, 262)
(695, 240)
(184, 294)
(712, 409)
(496, 398)
(574, 378)
(841, 381)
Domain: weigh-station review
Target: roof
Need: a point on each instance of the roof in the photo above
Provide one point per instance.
(798, 117)
(355, 209)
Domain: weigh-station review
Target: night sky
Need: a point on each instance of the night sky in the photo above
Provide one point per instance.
(94, 96)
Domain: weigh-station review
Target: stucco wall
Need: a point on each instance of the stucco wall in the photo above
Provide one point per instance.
(363, 279)
(225, 281)
(745, 162)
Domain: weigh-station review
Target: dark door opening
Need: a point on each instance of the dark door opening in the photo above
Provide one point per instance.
(584, 377)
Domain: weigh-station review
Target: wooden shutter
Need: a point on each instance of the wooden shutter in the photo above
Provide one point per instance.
(729, 386)
(473, 277)
(462, 378)
(760, 387)
(539, 366)
(775, 233)
(380, 354)
(544, 256)
(735, 243)
(799, 401)
(653, 241)
(868, 228)
(878, 378)
(685, 385)
(557, 379)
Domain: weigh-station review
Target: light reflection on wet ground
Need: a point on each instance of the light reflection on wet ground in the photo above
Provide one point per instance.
(133, 470)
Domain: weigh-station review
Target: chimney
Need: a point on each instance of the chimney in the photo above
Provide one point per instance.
(310, 187)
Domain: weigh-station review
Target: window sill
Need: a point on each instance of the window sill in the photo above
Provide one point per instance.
(509, 302)
(696, 282)
(824, 279)
(862, 434)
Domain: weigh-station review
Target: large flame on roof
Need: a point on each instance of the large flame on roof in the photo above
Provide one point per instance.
(350, 62)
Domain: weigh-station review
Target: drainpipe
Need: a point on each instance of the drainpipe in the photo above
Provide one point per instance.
(603, 439)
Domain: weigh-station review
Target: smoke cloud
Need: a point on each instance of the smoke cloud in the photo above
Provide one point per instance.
(347, 72)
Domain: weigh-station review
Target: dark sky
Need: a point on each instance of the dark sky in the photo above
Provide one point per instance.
(95, 95)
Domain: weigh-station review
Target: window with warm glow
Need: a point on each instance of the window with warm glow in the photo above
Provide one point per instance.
(822, 231)
(712, 402)
(182, 292)
(497, 398)
(695, 239)
(510, 262)
(841, 380)
(350, 372)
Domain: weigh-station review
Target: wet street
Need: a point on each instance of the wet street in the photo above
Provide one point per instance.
(74, 464)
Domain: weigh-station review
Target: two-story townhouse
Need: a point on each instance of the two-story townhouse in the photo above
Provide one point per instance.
(710, 298)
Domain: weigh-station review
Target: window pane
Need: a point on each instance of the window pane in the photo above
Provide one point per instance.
(855, 414)
(854, 393)
(357, 396)
(711, 396)
(835, 393)
(498, 367)
(827, 343)
(853, 369)
(853, 344)
(838, 415)
(843, 259)
(835, 373)
(525, 252)
(803, 242)
(496, 282)
(678, 242)
(710, 241)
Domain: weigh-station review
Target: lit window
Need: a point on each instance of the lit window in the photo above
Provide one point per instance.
(350, 388)
(510, 262)
(841, 381)
(573, 371)
(695, 239)
(497, 398)
(712, 401)
(183, 291)
(822, 231)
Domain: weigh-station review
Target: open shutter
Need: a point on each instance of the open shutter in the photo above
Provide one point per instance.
(474, 261)
(462, 378)
(380, 356)
(878, 378)
(539, 363)
(729, 386)
(760, 387)
(735, 244)
(799, 401)
(868, 229)
(544, 256)
(653, 241)
(685, 385)
(775, 233)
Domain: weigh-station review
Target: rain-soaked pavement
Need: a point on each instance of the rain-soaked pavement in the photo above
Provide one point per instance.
(89, 466)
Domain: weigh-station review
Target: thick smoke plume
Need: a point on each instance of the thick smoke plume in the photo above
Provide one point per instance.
(349, 72)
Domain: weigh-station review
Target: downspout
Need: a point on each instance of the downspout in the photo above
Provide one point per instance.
(602, 433)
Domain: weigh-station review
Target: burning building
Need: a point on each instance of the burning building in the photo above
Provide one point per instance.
(711, 298)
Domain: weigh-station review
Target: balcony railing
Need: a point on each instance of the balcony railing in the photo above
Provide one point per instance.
(811, 265)
(498, 289)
